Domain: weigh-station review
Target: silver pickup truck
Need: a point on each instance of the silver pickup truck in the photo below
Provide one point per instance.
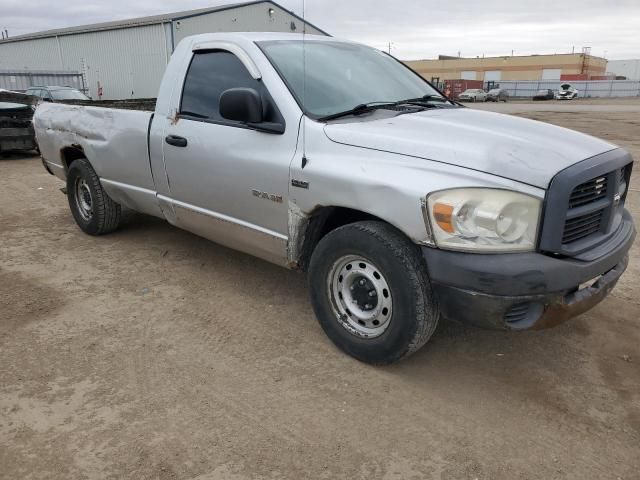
(334, 158)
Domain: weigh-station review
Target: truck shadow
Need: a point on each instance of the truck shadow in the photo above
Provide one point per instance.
(456, 350)
(261, 315)
(17, 155)
(451, 339)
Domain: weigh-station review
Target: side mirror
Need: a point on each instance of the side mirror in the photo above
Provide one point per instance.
(46, 99)
(242, 105)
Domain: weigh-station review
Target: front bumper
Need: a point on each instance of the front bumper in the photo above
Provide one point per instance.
(524, 291)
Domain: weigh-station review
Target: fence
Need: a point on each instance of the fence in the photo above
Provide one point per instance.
(21, 80)
(592, 88)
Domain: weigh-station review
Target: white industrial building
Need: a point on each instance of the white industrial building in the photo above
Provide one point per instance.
(625, 68)
(127, 58)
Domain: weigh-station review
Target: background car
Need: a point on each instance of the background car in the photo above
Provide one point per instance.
(567, 92)
(497, 95)
(16, 126)
(57, 94)
(473, 95)
(544, 94)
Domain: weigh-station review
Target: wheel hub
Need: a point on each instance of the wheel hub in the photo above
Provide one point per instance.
(364, 293)
(360, 296)
(84, 200)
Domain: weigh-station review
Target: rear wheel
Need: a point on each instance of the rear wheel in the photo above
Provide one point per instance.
(93, 210)
(371, 293)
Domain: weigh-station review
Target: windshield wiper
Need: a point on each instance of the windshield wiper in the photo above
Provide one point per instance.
(359, 110)
(424, 100)
(371, 106)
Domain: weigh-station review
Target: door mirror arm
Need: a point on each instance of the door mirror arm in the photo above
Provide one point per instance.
(268, 127)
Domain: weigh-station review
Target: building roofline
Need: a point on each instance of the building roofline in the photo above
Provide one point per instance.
(146, 21)
(500, 57)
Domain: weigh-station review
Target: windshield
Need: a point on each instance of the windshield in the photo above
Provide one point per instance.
(341, 76)
(68, 94)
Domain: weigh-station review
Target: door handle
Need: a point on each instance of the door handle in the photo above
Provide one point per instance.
(176, 141)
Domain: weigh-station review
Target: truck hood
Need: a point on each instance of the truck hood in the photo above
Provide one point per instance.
(515, 148)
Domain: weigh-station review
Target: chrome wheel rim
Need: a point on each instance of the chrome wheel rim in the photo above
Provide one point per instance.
(360, 296)
(84, 200)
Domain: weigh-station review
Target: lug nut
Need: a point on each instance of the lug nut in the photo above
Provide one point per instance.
(362, 282)
(372, 293)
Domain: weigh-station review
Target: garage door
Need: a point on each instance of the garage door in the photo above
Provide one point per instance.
(551, 73)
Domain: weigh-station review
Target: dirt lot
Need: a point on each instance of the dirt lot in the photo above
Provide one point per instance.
(154, 354)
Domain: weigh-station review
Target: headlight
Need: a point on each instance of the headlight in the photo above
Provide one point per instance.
(482, 219)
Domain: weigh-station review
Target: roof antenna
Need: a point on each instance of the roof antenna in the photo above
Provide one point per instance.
(304, 84)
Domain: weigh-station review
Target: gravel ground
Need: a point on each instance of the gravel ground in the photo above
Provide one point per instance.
(154, 354)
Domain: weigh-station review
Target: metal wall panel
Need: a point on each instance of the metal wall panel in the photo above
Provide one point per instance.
(130, 62)
(126, 63)
(22, 80)
(38, 54)
(252, 18)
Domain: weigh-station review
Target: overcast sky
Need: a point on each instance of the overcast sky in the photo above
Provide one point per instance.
(416, 28)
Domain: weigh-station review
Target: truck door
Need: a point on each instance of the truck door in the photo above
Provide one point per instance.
(228, 182)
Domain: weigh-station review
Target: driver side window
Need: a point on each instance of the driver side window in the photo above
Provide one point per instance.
(210, 74)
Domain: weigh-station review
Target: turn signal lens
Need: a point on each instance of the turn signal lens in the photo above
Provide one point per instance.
(443, 214)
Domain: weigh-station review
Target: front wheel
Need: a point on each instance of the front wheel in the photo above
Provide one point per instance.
(371, 293)
(93, 210)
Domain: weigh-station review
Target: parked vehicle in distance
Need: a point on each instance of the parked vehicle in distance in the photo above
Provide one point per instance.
(16, 126)
(401, 212)
(473, 95)
(567, 92)
(57, 94)
(497, 95)
(544, 94)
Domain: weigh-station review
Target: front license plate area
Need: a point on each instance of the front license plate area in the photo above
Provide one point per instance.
(589, 284)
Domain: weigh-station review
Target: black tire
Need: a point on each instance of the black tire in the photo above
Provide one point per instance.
(105, 214)
(414, 316)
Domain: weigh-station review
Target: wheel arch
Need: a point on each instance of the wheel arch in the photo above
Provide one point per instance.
(320, 222)
(70, 154)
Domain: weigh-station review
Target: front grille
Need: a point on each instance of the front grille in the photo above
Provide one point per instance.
(597, 199)
(581, 227)
(585, 204)
(16, 118)
(589, 192)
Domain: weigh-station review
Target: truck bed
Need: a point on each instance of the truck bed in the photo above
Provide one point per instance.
(114, 138)
(142, 104)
